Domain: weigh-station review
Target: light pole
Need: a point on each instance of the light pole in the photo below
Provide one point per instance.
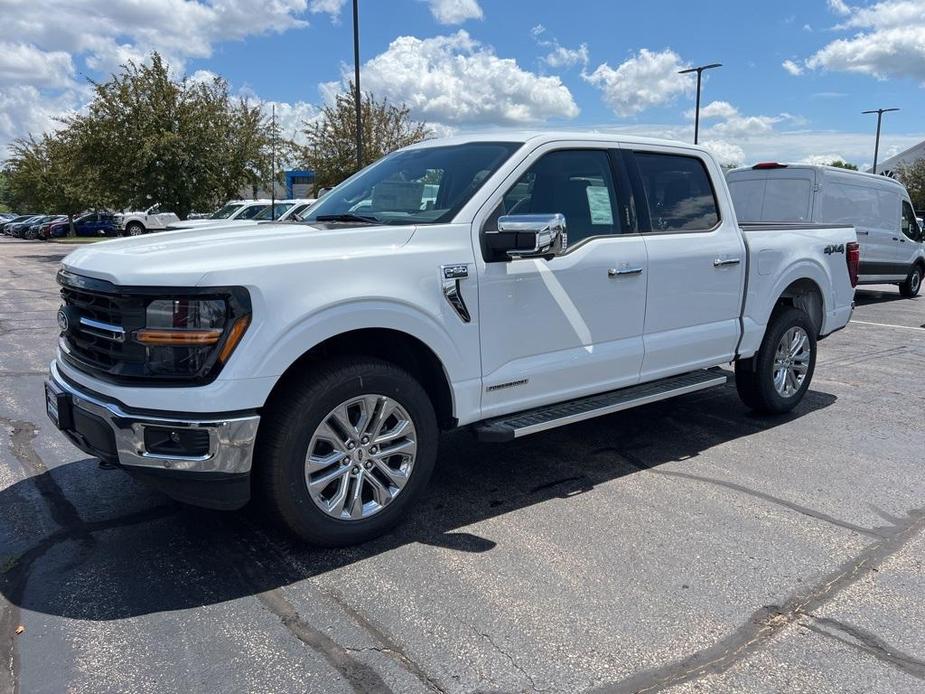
(356, 81)
(699, 70)
(879, 112)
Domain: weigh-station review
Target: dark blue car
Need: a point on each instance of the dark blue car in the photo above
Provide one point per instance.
(90, 224)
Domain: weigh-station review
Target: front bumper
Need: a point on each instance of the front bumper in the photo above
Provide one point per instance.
(112, 432)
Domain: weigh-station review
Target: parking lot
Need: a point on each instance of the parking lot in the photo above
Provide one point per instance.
(683, 546)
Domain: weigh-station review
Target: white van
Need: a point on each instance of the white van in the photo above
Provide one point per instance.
(892, 251)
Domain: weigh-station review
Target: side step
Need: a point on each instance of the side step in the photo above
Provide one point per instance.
(514, 426)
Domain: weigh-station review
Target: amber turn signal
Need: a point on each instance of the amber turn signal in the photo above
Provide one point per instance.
(234, 337)
(177, 338)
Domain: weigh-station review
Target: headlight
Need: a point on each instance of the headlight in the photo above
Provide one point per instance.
(188, 336)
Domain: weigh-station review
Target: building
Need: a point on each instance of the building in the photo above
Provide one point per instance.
(296, 184)
(889, 166)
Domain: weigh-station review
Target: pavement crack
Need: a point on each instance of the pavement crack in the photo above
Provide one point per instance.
(768, 621)
(865, 641)
(360, 676)
(803, 510)
(510, 658)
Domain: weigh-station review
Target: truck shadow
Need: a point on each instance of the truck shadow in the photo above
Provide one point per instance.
(869, 297)
(120, 550)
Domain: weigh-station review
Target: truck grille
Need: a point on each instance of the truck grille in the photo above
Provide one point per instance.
(97, 324)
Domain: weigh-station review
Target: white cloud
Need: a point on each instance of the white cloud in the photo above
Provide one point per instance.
(291, 117)
(25, 64)
(558, 56)
(456, 80)
(733, 124)
(330, 7)
(890, 41)
(647, 79)
(455, 11)
(792, 67)
(726, 153)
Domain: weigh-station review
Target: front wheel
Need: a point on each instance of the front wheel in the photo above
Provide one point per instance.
(134, 229)
(913, 283)
(778, 376)
(345, 450)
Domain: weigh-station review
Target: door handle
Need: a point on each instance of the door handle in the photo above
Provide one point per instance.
(720, 262)
(616, 272)
(863, 233)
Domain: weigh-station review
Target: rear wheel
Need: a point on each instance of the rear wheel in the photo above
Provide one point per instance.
(778, 376)
(913, 283)
(345, 450)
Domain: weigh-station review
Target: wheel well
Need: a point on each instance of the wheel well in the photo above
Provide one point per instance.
(393, 346)
(805, 295)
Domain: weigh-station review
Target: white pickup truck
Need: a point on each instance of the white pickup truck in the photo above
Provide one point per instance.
(151, 219)
(508, 283)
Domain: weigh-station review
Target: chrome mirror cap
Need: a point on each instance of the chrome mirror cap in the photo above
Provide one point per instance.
(549, 230)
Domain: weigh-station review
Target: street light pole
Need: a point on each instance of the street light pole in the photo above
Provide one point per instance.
(699, 70)
(356, 81)
(879, 112)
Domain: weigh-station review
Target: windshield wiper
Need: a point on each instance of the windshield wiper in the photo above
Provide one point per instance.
(347, 217)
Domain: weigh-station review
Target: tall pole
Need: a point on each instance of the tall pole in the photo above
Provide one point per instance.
(879, 112)
(356, 82)
(273, 169)
(699, 70)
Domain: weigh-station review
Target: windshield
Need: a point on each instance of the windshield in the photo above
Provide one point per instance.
(252, 211)
(417, 186)
(277, 210)
(225, 212)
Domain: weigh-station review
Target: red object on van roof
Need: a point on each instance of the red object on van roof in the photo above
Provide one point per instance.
(769, 165)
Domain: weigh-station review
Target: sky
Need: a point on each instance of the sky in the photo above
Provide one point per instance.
(796, 74)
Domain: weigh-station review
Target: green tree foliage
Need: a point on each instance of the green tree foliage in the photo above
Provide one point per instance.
(185, 144)
(330, 149)
(913, 177)
(6, 200)
(839, 164)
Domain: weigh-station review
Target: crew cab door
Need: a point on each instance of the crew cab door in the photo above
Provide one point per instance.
(571, 325)
(696, 260)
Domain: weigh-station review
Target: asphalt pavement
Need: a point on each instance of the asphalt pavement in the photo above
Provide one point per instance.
(684, 546)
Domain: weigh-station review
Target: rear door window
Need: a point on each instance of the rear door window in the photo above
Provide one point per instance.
(678, 192)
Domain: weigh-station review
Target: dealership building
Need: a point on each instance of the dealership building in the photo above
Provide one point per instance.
(907, 158)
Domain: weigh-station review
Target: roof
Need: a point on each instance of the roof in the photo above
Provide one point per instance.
(834, 169)
(541, 136)
(907, 157)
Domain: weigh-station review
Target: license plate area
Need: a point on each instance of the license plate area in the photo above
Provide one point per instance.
(60, 407)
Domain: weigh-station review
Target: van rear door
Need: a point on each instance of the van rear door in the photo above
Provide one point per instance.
(779, 194)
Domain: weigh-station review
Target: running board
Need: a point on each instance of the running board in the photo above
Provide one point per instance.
(520, 424)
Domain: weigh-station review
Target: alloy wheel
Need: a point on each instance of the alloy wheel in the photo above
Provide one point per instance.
(791, 361)
(360, 457)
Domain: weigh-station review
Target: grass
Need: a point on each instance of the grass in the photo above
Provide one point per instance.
(78, 239)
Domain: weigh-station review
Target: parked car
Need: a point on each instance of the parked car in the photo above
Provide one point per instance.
(88, 224)
(232, 210)
(556, 278)
(879, 207)
(5, 226)
(15, 228)
(282, 211)
(138, 223)
(7, 216)
(31, 231)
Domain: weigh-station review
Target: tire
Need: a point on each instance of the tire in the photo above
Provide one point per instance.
(913, 283)
(295, 421)
(134, 229)
(755, 377)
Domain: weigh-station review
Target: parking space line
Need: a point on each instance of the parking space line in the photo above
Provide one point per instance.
(888, 325)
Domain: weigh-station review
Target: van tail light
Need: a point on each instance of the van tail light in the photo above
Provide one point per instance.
(853, 256)
(768, 165)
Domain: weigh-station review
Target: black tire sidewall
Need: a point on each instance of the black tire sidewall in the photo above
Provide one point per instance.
(308, 406)
(907, 288)
(784, 320)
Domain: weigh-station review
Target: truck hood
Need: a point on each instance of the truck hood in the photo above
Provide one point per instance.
(185, 258)
(196, 223)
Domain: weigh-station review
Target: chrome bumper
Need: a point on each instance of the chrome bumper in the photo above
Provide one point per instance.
(231, 439)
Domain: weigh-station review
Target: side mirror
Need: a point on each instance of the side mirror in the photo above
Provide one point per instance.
(529, 236)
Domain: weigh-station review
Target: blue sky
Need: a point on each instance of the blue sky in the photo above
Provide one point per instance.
(485, 64)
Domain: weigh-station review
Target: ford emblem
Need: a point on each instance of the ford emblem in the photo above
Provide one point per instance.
(63, 321)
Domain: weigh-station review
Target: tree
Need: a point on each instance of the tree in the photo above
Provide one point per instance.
(331, 139)
(6, 199)
(839, 164)
(913, 177)
(149, 138)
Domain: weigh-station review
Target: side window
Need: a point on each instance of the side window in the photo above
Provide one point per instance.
(910, 225)
(576, 183)
(678, 191)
